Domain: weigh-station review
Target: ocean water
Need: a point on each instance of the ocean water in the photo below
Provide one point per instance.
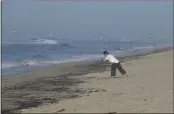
(21, 56)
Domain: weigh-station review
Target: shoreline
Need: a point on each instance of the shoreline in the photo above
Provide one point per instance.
(58, 78)
(123, 54)
(129, 54)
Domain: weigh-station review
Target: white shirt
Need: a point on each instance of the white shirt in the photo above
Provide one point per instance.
(111, 59)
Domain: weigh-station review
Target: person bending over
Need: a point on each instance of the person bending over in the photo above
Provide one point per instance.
(115, 64)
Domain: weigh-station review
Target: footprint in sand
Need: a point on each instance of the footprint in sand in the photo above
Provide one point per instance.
(90, 77)
(111, 113)
(110, 78)
(96, 90)
(118, 77)
(61, 110)
(117, 94)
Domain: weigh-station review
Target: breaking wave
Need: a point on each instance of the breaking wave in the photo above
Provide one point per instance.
(46, 41)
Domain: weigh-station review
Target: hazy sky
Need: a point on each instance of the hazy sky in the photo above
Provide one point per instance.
(25, 19)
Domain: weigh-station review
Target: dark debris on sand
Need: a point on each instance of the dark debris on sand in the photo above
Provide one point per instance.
(45, 90)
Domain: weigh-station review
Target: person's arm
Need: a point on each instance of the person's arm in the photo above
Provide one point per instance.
(105, 59)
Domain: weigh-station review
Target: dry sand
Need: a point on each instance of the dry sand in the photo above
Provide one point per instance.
(148, 88)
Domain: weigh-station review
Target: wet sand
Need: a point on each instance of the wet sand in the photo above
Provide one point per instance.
(86, 87)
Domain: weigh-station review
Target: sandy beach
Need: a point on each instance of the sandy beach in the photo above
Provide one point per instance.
(87, 87)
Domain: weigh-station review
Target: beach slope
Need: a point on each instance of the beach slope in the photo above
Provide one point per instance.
(148, 88)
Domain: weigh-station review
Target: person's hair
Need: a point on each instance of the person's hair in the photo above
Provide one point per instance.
(105, 52)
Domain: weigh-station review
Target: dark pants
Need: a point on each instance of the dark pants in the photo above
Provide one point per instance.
(117, 66)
